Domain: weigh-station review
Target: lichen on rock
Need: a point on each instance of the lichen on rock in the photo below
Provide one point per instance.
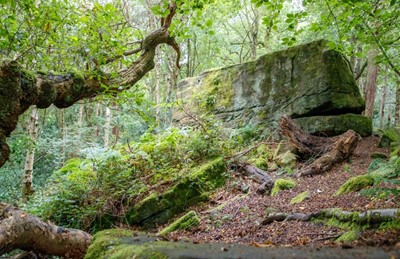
(303, 81)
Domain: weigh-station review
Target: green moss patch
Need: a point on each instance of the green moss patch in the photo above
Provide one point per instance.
(354, 184)
(300, 197)
(192, 189)
(282, 184)
(187, 221)
(104, 239)
(349, 236)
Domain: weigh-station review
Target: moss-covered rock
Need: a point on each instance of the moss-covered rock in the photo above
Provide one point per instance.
(287, 160)
(104, 239)
(390, 135)
(300, 197)
(140, 245)
(158, 208)
(336, 124)
(348, 236)
(186, 222)
(301, 81)
(282, 184)
(355, 183)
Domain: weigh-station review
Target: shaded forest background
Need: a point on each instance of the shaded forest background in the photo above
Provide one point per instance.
(81, 35)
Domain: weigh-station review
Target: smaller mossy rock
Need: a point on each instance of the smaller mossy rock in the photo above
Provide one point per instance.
(261, 163)
(349, 236)
(188, 191)
(300, 197)
(287, 160)
(378, 155)
(354, 184)
(186, 222)
(390, 135)
(332, 125)
(282, 184)
(104, 239)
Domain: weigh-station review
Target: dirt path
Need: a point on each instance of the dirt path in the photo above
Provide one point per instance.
(239, 221)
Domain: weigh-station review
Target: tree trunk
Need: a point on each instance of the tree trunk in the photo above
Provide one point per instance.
(157, 91)
(382, 105)
(107, 127)
(328, 151)
(370, 84)
(19, 230)
(80, 119)
(27, 185)
(397, 106)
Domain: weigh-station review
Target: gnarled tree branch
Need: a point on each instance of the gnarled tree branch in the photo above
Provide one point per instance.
(19, 89)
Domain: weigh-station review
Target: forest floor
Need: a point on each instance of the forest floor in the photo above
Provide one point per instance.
(233, 216)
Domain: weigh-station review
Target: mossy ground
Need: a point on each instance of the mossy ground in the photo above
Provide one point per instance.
(186, 222)
(300, 197)
(355, 183)
(282, 184)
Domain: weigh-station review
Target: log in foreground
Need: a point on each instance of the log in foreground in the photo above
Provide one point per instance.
(19, 230)
(372, 217)
(328, 151)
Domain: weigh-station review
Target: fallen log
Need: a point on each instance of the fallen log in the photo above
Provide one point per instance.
(327, 151)
(260, 176)
(368, 217)
(20, 230)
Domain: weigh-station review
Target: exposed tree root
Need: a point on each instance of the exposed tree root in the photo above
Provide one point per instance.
(260, 176)
(367, 217)
(328, 151)
(23, 231)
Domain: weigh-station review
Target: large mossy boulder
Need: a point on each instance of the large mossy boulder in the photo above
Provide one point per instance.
(159, 208)
(303, 81)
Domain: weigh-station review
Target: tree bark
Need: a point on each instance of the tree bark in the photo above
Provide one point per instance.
(382, 104)
(370, 84)
(19, 230)
(107, 127)
(397, 106)
(27, 185)
(19, 88)
(327, 151)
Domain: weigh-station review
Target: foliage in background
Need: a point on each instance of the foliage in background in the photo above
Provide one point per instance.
(103, 182)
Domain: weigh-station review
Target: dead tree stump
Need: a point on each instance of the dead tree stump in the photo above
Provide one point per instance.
(327, 151)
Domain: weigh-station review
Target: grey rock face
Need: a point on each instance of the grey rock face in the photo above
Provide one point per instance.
(304, 81)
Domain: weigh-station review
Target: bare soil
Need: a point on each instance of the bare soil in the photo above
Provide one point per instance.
(234, 214)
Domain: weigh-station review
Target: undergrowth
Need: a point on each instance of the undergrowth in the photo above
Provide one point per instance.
(107, 182)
